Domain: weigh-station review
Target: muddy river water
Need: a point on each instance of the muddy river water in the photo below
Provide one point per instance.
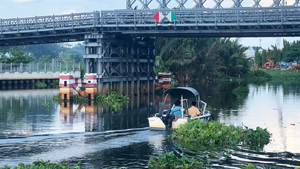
(100, 138)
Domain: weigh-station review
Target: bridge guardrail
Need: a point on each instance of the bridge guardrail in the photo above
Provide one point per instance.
(39, 67)
(127, 20)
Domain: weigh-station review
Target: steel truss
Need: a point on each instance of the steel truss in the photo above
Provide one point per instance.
(182, 4)
(120, 58)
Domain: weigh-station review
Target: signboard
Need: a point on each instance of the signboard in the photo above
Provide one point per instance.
(159, 16)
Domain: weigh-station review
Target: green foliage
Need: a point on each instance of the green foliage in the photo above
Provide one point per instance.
(55, 84)
(258, 75)
(79, 99)
(255, 139)
(82, 88)
(41, 85)
(57, 98)
(113, 99)
(258, 58)
(169, 160)
(45, 165)
(46, 105)
(284, 74)
(205, 141)
(214, 134)
(82, 71)
(241, 91)
(16, 56)
(200, 59)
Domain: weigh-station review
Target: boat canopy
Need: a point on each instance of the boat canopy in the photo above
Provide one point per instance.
(186, 92)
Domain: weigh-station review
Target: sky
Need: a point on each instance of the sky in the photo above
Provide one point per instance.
(30, 8)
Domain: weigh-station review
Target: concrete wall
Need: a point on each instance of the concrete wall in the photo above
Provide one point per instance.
(34, 75)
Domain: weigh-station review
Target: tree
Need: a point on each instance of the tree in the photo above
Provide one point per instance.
(264, 56)
(258, 58)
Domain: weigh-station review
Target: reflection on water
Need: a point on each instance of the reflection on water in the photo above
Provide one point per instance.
(99, 137)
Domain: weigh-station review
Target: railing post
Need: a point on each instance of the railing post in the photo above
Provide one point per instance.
(45, 67)
(79, 66)
(67, 67)
(1, 67)
(11, 67)
(29, 69)
(37, 67)
(21, 67)
(73, 66)
(52, 65)
(59, 66)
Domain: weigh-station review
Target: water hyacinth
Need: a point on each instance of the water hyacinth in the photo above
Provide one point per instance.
(215, 134)
(205, 142)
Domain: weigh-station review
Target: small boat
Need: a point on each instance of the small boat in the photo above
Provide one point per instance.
(166, 119)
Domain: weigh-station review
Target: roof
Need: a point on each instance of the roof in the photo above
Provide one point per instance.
(254, 48)
(186, 92)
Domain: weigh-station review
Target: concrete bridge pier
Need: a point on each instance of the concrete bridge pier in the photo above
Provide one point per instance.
(122, 63)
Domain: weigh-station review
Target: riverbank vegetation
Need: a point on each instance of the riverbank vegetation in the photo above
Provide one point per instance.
(200, 143)
(201, 59)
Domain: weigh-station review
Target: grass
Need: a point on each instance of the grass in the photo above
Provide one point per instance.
(283, 74)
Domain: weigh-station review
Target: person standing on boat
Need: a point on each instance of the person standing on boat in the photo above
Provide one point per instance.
(177, 111)
(194, 111)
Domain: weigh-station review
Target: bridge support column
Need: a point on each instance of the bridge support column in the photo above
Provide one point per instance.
(119, 60)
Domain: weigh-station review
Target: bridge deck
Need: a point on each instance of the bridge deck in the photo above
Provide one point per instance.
(230, 22)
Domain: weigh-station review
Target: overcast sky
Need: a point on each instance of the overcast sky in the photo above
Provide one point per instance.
(29, 8)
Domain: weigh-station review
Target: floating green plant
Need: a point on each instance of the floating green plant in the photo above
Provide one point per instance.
(46, 105)
(169, 160)
(57, 98)
(241, 91)
(46, 165)
(210, 141)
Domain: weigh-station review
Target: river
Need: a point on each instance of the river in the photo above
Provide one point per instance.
(100, 138)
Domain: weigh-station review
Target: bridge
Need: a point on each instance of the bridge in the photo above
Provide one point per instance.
(118, 43)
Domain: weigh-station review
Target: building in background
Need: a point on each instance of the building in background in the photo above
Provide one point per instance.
(250, 53)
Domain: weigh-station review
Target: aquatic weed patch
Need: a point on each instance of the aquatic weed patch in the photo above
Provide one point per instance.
(45, 165)
(241, 91)
(169, 160)
(113, 99)
(213, 133)
(205, 142)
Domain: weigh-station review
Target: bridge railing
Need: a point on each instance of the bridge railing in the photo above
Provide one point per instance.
(204, 16)
(245, 16)
(39, 67)
(54, 22)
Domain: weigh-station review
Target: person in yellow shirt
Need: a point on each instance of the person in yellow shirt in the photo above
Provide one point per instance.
(194, 111)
